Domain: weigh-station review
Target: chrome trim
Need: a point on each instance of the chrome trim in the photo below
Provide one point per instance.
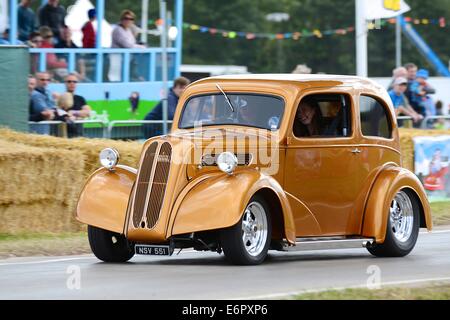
(307, 244)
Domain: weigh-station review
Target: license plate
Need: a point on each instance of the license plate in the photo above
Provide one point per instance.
(153, 250)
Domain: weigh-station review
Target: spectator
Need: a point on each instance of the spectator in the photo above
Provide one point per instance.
(4, 39)
(397, 73)
(26, 20)
(52, 15)
(65, 42)
(440, 123)
(122, 37)
(134, 102)
(42, 105)
(420, 91)
(79, 109)
(89, 34)
(400, 101)
(175, 92)
(58, 66)
(35, 40)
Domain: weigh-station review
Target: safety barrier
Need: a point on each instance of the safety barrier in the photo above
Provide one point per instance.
(135, 129)
(79, 128)
(426, 123)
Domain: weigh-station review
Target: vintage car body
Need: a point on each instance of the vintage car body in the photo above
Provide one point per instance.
(314, 192)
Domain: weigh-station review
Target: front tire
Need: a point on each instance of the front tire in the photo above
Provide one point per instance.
(109, 246)
(402, 227)
(248, 241)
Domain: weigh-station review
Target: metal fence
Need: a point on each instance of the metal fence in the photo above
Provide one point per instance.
(123, 129)
(428, 122)
(77, 128)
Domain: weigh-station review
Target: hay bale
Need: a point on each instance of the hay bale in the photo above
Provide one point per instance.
(38, 217)
(90, 148)
(407, 143)
(44, 177)
(32, 174)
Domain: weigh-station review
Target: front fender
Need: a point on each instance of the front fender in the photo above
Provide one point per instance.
(388, 183)
(219, 200)
(104, 199)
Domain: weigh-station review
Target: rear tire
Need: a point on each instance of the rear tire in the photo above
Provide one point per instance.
(402, 227)
(109, 246)
(248, 241)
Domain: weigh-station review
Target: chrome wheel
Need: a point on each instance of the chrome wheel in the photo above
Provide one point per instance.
(401, 216)
(254, 229)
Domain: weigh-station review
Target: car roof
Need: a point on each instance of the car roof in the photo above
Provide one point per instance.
(294, 77)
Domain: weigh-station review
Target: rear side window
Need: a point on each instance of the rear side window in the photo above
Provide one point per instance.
(375, 120)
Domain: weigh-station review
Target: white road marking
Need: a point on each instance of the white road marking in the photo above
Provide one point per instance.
(364, 286)
(44, 261)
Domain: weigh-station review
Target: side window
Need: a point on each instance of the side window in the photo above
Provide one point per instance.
(375, 120)
(323, 115)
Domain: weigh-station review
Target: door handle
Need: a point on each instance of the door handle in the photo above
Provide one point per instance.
(356, 151)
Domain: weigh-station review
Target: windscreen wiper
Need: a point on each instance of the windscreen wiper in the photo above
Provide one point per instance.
(226, 97)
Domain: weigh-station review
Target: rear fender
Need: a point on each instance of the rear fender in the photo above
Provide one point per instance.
(388, 183)
(104, 200)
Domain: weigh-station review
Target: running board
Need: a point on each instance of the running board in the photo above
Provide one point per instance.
(308, 244)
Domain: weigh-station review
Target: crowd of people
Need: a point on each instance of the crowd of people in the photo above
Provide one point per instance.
(411, 92)
(51, 106)
(47, 29)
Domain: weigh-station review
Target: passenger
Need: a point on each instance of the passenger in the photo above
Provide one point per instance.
(308, 120)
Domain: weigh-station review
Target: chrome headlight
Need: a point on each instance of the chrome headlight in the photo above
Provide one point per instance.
(109, 158)
(226, 162)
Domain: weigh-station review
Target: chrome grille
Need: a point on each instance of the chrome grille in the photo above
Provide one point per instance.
(143, 184)
(159, 184)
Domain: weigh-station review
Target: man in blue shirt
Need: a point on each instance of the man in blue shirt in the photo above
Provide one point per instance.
(26, 20)
(400, 102)
(179, 85)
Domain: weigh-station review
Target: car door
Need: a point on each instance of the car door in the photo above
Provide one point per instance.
(325, 173)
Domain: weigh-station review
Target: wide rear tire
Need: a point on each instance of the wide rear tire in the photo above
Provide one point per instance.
(402, 227)
(247, 242)
(109, 246)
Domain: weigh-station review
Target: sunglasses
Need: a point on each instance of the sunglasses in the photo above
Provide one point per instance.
(128, 18)
(71, 81)
(44, 79)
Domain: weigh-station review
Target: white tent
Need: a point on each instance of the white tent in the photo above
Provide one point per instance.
(3, 15)
(77, 17)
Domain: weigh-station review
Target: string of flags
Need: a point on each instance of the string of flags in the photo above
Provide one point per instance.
(231, 34)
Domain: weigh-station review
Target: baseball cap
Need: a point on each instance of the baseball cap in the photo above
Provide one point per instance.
(422, 73)
(92, 13)
(400, 80)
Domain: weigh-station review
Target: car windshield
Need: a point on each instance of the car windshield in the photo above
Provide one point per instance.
(252, 110)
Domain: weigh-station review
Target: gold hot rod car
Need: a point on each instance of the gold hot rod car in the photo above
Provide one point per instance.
(262, 162)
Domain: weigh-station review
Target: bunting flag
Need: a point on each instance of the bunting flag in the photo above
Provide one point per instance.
(231, 34)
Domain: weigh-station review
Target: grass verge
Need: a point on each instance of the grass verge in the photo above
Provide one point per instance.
(428, 292)
(441, 213)
(23, 245)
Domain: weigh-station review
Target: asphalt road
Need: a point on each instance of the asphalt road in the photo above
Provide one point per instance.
(193, 275)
